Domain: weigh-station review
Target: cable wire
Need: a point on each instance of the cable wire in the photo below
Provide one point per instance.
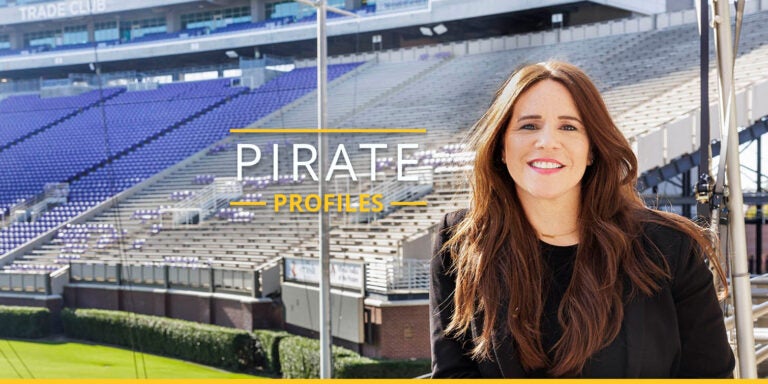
(21, 361)
(115, 202)
(5, 357)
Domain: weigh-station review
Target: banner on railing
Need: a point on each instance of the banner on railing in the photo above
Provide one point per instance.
(343, 274)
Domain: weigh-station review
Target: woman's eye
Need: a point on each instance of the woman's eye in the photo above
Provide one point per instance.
(528, 127)
(569, 128)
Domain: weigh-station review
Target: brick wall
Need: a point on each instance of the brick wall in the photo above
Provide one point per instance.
(398, 332)
(201, 308)
(189, 307)
(148, 303)
(82, 297)
(54, 304)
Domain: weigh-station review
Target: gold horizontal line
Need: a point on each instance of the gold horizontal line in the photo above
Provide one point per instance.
(247, 203)
(409, 203)
(328, 130)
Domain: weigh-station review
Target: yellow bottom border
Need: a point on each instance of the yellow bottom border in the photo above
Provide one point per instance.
(374, 381)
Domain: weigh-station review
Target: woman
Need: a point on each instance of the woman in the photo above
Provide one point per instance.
(557, 269)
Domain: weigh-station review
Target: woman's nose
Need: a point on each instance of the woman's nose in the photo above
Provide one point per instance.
(547, 138)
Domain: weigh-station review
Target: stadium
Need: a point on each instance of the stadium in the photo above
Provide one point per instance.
(157, 156)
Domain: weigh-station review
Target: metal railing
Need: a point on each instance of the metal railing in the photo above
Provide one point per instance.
(393, 190)
(25, 282)
(30, 208)
(758, 312)
(391, 277)
(397, 276)
(204, 202)
(199, 277)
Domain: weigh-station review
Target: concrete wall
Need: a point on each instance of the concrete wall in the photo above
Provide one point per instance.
(680, 5)
(439, 11)
(574, 33)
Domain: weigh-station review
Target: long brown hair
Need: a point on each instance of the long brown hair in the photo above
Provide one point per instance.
(496, 257)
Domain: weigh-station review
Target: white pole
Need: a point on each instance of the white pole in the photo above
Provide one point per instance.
(326, 339)
(325, 258)
(742, 294)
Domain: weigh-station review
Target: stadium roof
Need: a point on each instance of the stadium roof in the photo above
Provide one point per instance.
(398, 28)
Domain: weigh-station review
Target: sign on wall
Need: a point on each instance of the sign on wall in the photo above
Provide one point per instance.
(71, 8)
(343, 273)
(68, 9)
(302, 309)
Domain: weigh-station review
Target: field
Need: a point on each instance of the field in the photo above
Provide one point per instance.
(67, 359)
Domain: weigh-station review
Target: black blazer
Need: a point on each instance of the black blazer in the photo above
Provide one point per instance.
(678, 332)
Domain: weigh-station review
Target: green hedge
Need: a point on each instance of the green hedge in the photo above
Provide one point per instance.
(295, 356)
(350, 368)
(270, 342)
(300, 358)
(24, 322)
(202, 343)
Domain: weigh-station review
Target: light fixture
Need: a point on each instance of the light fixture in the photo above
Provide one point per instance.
(425, 31)
(557, 20)
(440, 29)
(232, 54)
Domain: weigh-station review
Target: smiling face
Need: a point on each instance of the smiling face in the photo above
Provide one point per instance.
(546, 148)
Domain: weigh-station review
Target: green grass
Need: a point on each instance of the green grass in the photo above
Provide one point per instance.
(66, 359)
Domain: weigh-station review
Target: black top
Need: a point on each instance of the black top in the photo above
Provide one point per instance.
(676, 332)
(559, 270)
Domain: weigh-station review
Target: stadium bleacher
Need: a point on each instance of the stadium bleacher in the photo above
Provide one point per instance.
(140, 158)
(382, 95)
(170, 143)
